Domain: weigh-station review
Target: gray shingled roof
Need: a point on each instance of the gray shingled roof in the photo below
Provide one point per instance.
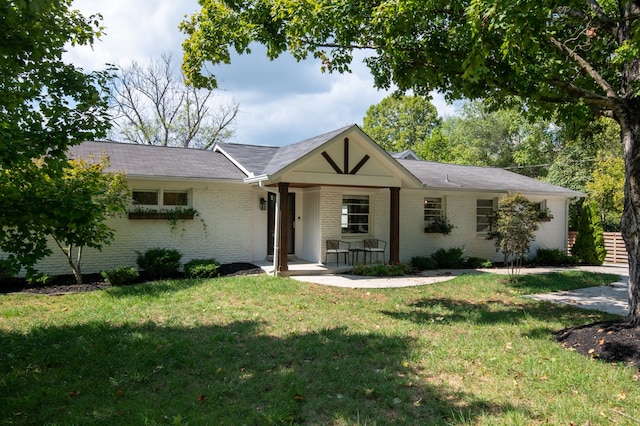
(254, 158)
(158, 161)
(454, 176)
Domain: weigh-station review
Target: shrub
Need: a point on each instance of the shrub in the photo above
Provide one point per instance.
(159, 262)
(452, 258)
(382, 270)
(202, 268)
(423, 263)
(121, 276)
(589, 245)
(7, 270)
(551, 257)
(39, 280)
(478, 262)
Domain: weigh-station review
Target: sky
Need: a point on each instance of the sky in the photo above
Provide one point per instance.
(280, 101)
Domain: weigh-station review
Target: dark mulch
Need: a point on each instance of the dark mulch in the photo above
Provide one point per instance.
(65, 284)
(611, 341)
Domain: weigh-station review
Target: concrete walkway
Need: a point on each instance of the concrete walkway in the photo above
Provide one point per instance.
(612, 298)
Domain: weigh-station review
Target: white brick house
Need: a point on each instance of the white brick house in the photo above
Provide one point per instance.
(340, 185)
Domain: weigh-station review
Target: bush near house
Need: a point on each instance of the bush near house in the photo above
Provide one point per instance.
(382, 270)
(551, 257)
(123, 275)
(452, 258)
(159, 263)
(589, 245)
(202, 268)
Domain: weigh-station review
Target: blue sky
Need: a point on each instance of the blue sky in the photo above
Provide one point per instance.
(281, 101)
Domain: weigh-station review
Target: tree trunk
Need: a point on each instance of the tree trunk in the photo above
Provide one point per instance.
(630, 134)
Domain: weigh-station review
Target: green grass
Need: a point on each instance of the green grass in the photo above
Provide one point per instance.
(262, 351)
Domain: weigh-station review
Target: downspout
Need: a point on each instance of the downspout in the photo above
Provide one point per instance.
(276, 231)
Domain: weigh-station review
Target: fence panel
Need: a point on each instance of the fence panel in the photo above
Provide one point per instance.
(613, 242)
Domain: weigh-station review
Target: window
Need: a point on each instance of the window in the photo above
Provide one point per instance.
(152, 198)
(484, 211)
(433, 209)
(175, 198)
(145, 198)
(355, 214)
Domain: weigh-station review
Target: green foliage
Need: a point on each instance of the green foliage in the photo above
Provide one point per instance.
(478, 262)
(589, 245)
(202, 268)
(159, 262)
(46, 106)
(8, 270)
(606, 190)
(452, 258)
(123, 275)
(551, 257)
(381, 270)
(514, 227)
(440, 225)
(85, 197)
(400, 122)
(423, 263)
(39, 280)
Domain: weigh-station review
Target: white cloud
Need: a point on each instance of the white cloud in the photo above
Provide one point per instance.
(281, 101)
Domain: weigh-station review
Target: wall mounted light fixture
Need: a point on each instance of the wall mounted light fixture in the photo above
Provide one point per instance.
(263, 204)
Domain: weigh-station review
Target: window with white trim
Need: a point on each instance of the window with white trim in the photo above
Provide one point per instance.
(433, 209)
(355, 214)
(175, 198)
(484, 213)
(144, 198)
(159, 198)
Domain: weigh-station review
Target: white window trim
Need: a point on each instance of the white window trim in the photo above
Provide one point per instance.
(356, 236)
(443, 207)
(160, 205)
(483, 234)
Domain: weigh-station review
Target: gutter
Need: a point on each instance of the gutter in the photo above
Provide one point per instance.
(276, 233)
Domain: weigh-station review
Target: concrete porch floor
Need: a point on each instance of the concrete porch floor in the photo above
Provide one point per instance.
(305, 267)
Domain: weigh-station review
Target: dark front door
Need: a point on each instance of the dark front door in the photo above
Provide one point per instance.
(271, 222)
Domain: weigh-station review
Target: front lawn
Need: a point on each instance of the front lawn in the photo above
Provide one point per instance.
(258, 350)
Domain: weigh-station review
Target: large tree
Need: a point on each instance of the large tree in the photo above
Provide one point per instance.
(400, 122)
(152, 105)
(576, 58)
(46, 105)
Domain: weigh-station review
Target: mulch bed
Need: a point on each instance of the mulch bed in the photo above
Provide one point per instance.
(65, 284)
(610, 341)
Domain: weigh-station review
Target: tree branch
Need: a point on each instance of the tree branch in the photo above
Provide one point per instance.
(586, 66)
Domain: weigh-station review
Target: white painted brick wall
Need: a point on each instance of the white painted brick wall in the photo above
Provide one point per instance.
(227, 233)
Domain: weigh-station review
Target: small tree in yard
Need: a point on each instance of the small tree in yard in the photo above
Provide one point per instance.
(514, 227)
(589, 244)
(83, 198)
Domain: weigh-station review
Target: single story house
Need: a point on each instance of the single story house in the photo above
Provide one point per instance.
(257, 201)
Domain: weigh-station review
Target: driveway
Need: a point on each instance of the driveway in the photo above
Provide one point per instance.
(612, 298)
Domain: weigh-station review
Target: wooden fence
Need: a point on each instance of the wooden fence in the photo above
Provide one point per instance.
(613, 242)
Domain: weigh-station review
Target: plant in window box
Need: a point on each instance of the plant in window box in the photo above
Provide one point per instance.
(544, 215)
(440, 225)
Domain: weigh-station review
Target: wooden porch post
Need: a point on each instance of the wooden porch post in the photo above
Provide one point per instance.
(283, 254)
(394, 226)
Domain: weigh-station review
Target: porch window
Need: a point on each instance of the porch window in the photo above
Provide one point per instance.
(355, 214)
(484, 211)
(433, 209)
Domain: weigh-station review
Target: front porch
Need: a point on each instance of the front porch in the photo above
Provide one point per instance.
(304, 267)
